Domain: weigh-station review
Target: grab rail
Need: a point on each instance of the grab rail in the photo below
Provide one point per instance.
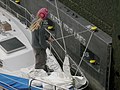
(18, 11)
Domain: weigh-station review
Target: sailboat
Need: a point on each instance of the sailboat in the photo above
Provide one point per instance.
(17, 61)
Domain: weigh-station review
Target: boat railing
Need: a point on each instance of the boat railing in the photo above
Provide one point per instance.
(18, 11)
(23, 15)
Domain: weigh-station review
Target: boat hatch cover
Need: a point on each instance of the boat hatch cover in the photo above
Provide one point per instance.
(11, 45)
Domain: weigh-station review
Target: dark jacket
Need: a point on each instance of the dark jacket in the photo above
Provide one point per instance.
(40, 36)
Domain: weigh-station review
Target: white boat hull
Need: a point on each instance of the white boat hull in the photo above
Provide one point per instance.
(20, 63)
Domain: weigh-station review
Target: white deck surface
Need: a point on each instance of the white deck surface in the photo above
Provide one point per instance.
(22, 58)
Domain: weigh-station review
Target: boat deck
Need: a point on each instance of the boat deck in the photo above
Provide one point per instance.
(11, 55)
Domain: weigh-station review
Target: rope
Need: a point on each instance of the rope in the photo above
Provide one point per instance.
(56, 53)
(50, 44)
(74, 64)
(56, 41)
(84, 52)
(60, 25)
(78, 22)
(62, 48)
(16, 12)
(21, 7)
(71, 35)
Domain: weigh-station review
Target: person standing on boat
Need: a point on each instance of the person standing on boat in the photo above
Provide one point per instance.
(39, 37)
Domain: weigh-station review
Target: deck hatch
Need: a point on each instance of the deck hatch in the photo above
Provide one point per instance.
(12, 45)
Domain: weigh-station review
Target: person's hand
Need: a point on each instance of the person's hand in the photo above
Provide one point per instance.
(50, 39)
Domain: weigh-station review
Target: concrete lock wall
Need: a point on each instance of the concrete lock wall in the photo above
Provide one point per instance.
(72, 23)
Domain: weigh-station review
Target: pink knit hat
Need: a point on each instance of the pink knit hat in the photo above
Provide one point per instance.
(42, 13)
